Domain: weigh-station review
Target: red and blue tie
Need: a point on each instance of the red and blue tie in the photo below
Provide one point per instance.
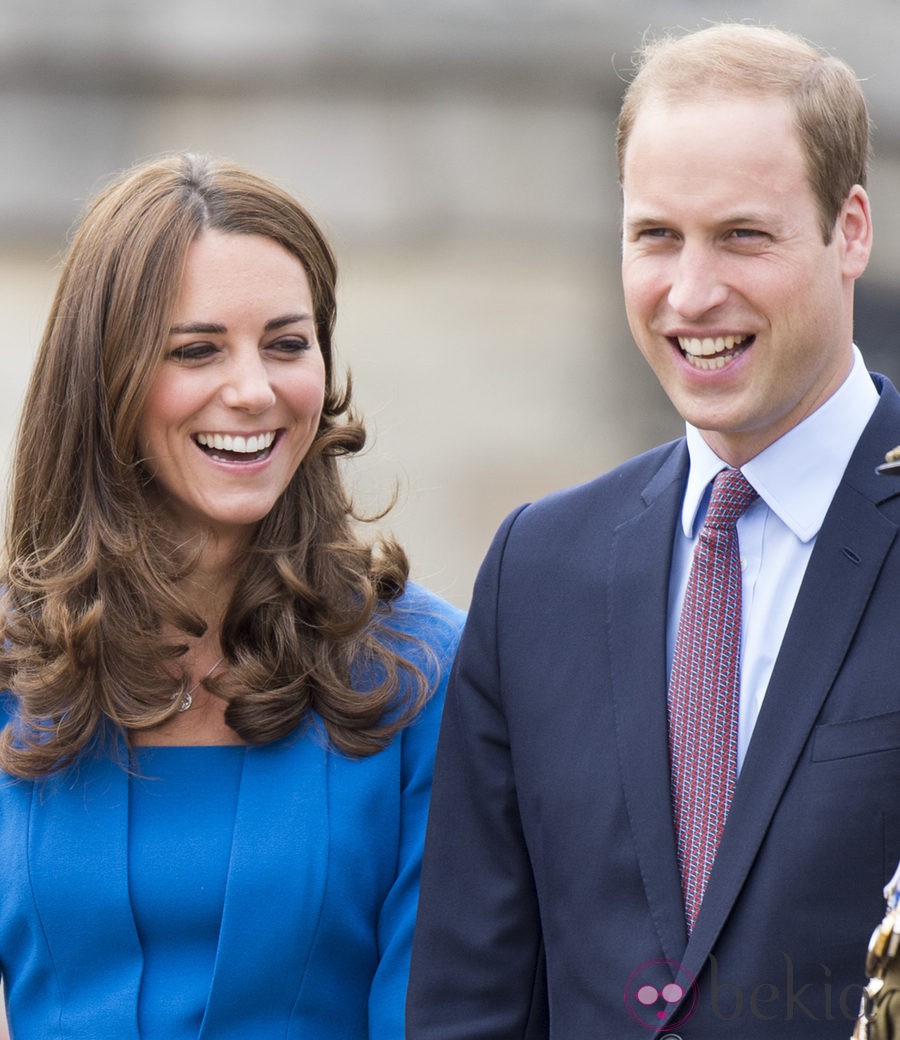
(704, 689)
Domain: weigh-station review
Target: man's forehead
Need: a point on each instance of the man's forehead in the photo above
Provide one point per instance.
(708, 98)
(738, 132)
(726, 162)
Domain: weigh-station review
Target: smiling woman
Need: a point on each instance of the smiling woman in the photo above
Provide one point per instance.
(222, 704)
(236, 404)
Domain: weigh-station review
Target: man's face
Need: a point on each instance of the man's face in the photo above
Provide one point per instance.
(732, 296)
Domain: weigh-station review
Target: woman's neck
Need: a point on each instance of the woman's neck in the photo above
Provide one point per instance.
(206, 592)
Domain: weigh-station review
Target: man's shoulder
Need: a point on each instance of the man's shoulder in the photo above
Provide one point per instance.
(618, 490)
(579, 520)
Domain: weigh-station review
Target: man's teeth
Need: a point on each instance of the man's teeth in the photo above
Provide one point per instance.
(242, 445)
(708, 346)
(710, 352)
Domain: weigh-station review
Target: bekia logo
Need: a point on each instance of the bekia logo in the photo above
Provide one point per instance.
(651, 994)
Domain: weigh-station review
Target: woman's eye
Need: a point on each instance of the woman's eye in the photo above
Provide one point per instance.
(192, 352)
(290, 345)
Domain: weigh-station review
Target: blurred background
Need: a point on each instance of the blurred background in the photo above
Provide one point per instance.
(459, 155)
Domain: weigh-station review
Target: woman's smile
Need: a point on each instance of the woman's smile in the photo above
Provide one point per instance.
(237, 400)
(239, 448)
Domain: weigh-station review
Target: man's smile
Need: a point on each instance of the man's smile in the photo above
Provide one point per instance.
(713, 352)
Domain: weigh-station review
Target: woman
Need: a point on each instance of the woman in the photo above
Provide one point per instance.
(223, 703)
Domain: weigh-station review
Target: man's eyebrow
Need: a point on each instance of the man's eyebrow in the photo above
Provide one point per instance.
(748, 217)
(738, 219)
(643, 223)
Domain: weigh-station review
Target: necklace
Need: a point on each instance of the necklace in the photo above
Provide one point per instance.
(187, 698)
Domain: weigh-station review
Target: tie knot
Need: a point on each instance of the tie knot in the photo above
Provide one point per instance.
(731, 495)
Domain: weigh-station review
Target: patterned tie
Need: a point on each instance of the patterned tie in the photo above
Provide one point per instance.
(704, 688)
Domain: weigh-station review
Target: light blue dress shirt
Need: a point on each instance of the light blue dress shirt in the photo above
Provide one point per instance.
(796, 478)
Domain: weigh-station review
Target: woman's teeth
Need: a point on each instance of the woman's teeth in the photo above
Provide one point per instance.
(242, 445)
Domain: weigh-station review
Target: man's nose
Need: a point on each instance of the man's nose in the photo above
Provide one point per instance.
(697, 286)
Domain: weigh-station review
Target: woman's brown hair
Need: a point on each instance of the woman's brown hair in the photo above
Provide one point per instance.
(92, 573)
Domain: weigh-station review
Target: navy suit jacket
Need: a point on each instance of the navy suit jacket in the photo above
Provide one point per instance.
(551, 899)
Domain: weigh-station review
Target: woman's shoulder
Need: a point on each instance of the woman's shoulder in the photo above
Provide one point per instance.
(422, 614)
(7, 706)
(7, 713)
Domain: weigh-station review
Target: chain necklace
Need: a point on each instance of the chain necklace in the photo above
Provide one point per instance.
(187, 698)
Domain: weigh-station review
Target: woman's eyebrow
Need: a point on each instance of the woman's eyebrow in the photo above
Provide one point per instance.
(215, 329)
(288, 319)
(194, 327)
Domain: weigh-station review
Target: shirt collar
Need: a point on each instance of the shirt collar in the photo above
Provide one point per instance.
(798, 475)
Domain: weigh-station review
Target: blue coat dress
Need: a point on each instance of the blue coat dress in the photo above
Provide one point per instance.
(320, 858)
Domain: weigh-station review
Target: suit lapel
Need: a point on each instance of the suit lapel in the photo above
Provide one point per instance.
(849, 553)
(641, 561)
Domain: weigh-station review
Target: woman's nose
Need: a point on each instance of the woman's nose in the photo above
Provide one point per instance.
(247, 385)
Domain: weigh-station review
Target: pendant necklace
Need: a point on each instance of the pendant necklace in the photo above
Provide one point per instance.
(187, 698)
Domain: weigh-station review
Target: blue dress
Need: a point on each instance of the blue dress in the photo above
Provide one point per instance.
(245, 893)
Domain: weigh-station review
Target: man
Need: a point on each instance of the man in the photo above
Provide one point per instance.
(581, 878)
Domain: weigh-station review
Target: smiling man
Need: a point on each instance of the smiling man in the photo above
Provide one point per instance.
(665, 797)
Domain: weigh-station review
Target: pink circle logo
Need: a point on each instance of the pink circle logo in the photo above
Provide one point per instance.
(651, 994)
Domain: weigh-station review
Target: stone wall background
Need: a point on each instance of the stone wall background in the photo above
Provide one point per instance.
(459, 155)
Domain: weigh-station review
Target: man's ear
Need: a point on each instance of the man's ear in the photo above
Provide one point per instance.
(854, 232)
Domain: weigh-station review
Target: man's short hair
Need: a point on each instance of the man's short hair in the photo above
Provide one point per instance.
(831, 117)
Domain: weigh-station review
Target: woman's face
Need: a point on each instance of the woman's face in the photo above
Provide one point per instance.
(236, 404)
